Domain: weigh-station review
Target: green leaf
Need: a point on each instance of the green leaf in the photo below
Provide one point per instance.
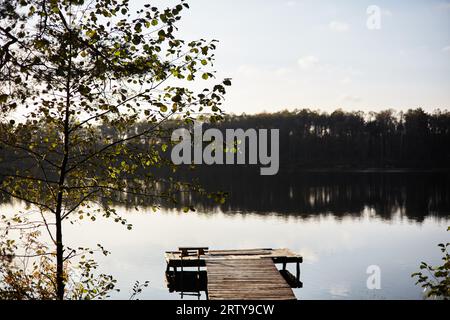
(3, 98)
(138, 27)
(91, 33)
(176, 98)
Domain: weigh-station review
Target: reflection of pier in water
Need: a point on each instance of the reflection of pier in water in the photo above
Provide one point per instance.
(232, 274)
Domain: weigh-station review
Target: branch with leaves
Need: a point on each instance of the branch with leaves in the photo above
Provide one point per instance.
(83, 76)
(436, 279)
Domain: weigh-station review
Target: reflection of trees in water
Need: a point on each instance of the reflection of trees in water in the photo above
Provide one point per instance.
(414, 195)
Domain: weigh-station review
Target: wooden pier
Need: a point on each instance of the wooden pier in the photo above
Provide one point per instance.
(248, 274)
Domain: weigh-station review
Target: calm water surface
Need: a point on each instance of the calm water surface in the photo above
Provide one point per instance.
(340, 224)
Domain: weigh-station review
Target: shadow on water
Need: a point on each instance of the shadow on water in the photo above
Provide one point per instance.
(341, 194)
(192, 283)
(187, 282)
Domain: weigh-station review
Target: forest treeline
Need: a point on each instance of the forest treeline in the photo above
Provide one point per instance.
(385, 139)
(318, 140)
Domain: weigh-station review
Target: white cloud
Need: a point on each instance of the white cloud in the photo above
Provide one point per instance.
(283, 71)
(308, 62)
(350, 98)
(446, 49)
(339, 26)
(248, 70)
(291, 3)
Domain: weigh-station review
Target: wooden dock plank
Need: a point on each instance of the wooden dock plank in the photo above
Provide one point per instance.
(246, 279)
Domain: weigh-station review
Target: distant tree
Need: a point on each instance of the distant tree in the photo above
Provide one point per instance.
(69, 66)
(356, 140)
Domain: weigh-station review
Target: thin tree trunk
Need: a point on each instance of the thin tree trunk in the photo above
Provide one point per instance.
(59, 250)
(60, 282)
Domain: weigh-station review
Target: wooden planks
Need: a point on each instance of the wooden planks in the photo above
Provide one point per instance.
(246, 279)
(248, 274)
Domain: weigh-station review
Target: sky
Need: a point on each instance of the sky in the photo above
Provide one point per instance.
(321, 54)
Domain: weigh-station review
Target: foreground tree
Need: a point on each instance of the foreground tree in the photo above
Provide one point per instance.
(436, 279)
(69, 66)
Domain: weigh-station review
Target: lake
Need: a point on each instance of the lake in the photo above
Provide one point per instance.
(341, 223)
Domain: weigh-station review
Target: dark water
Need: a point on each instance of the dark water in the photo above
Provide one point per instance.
(341, 223)
(415, 195)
